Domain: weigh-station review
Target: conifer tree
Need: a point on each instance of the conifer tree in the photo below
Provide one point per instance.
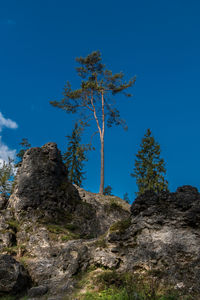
(24, 145)
(94, 97)
(108, 190)
(74, 157)
(149, 168)
(6, 178)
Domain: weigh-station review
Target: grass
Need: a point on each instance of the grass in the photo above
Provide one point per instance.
(10, 250)
(63, 231)
(7, 297)
(114, 205)
(121, 226)
(14, 225)
(101, 284)
(101, 242)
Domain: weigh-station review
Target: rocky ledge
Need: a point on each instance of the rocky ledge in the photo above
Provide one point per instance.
(52, 234)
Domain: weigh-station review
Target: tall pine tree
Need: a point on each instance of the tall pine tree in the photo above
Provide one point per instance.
(74, 157)
(149, 168)
(96, 97)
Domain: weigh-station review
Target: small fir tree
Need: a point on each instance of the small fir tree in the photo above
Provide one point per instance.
(149, 168)
(75, 156)
(24, 145)
(6, 178)
(126, 198)
(108, 190)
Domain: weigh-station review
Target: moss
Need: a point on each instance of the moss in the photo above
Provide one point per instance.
(121, 226)
(101, 242)
(70, 236)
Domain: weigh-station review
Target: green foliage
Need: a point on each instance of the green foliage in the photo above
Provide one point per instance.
(149, 168)
(6, 178)
(7, 297)
(95, 80)
(108, 190)
(101, 241)
(124, 286)
(95, 96)
(14, 225)
(121, 226)
(115, 204)
(75, 156)
(24, 145)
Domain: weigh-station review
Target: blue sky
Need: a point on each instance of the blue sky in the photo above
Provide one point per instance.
(158, 41)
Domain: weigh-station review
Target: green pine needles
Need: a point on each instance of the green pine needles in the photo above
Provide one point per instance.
(74, 157)
(25, 145)
(149, 168)
(95, 99)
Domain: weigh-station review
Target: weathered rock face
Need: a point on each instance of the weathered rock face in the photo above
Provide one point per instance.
(3, 201)
(60, 230)
(52, 225)
(163, 239)
(41, 181)
(13, 277)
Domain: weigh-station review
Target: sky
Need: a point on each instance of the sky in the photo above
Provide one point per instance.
(158, 41)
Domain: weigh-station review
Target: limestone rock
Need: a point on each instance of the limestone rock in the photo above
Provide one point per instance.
(37, 291)
(60, 230)
(163, 238)
(41, 181)
(13, 277)
(3, 201)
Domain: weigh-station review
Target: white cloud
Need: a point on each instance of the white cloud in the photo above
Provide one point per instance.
(5, 152)
(7, 123)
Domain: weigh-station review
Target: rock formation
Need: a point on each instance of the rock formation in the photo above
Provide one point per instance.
(48, 221)
(58, 231)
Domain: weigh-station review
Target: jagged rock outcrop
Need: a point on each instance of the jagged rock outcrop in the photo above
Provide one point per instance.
(58, 230)
(41, 183)
(162, 239)
(49, 223)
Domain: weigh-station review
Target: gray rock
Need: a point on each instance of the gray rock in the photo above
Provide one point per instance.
(37, 291)
(40, 181)
(3, 201)
(164, 237)
(13, 277)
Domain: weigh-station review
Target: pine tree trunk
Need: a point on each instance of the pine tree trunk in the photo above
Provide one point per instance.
(102, 167)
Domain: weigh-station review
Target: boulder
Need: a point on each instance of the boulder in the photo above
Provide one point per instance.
(13, 277)
(41, 183)
(37, 291)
